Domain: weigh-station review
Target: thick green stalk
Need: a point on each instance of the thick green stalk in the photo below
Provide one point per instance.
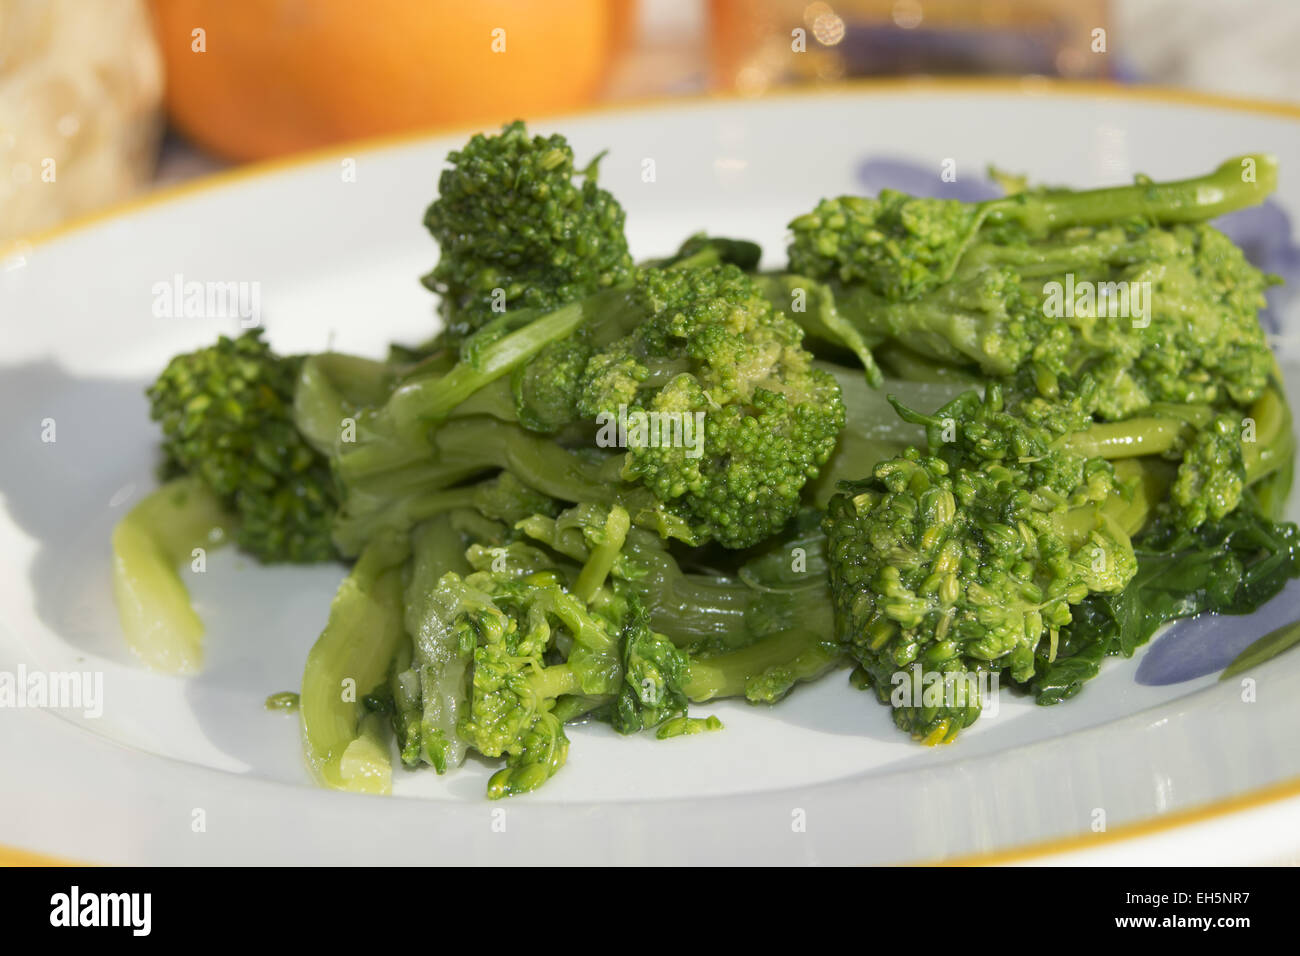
(413, 407)
(1235, 184)
(764, 671)
(811, 304)
(598, 565)
(1273, 447)
(437, 666)
(461, 449)
(349, 659)
(150, 544)
(1131, 438)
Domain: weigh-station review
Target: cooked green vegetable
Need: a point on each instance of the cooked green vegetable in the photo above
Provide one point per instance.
(901, 246)
(352, 655)
(517, 231)
(977, 554)
(1231, 566)
(150, 544)
(722, 414)
(985, 441)
(226, 413)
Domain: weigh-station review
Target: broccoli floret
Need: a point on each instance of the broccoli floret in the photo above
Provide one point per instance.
(715, 356)
(512, 689)
(973, 555)
(546, 389)
(984, 285)
(514, 215)
(970, 557)
(964, 559)
(610, 655)
(226, 413)
(898, 245)
(1198, 341)
(514, 639)
(655, 672)
(750, 419)
(1211, 475)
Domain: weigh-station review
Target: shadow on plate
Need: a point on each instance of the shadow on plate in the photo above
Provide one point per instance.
(79, 452)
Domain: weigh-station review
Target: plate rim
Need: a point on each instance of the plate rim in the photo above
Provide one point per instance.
(1030, 87)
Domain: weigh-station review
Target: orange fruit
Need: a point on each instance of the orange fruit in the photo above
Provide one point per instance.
(255, 78)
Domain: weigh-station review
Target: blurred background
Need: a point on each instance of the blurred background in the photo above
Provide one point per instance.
(103, 99)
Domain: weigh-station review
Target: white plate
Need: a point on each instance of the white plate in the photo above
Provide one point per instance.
(823, 777)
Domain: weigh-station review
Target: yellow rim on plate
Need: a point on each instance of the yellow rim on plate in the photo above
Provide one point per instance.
(1027, 86)
(12, 857)
(1251, 800)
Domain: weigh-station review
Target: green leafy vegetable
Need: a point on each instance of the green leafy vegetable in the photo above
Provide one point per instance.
(1265, 649)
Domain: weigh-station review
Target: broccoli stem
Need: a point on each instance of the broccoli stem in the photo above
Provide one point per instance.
(1273, 447)
(764, 671)
(812, 305)
(1146, 483)
(379, 498)
(597, 567)
(155, 538)
(1131, 438)
(573, 707)
(352, 530)
(351, 657)
(1054, 256)
(1189, 200)
(900, 362)
(687, 607)
(437, 665)
(414, 406)
(464, 448)
(474, 445)
(331, 387)
(550, 682)
(873, 432)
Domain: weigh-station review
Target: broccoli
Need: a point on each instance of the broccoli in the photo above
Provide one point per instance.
(611, 492)
(752, 629)
(227, 417)
(993, 296)
(971, 553)
(516, 630)
(966, 557)
(751, 418)
(517, 231)
(712, 349)
(499, 645)
(901, 247)
(970, 556)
